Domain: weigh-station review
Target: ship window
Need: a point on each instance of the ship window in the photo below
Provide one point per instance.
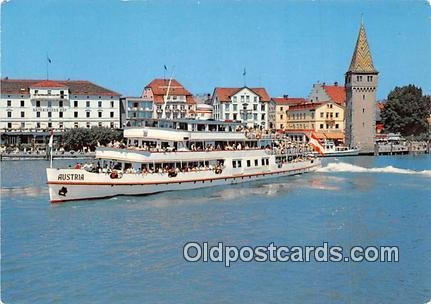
(234, 164)
(263, 162)
(239, 164)
(256, 162)
(248, 163)
(267, 161)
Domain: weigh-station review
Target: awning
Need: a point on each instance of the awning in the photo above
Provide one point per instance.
(329, 135)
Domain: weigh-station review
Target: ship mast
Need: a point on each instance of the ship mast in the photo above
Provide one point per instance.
(167, 94)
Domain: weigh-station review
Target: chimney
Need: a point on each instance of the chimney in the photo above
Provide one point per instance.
(285, 96)
(336, 83)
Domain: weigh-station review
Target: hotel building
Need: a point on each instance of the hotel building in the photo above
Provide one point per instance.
(170, 99)
(32, 107)
(247, 105)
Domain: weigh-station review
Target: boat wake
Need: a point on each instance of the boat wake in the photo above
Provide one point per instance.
(345, 167)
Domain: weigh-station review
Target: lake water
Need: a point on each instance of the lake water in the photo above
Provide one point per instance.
(129, 249)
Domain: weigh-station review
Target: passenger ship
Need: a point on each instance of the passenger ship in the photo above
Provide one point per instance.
(166, 155)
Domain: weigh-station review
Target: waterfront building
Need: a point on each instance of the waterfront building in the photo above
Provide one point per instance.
(204, 111)
(30, 108)
(135, 108)
(170, 99)
(247, 105)
(324, 119)
(361, 85)
(279, 110)
(323, 92)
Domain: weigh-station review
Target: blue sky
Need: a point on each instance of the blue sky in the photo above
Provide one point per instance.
(285, 46)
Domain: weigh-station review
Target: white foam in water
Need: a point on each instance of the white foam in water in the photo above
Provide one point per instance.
(345, 167)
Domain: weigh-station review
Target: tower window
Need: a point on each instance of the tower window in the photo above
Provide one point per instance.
(363, 110)
(363, 97)
(369, 78)
(358, 78)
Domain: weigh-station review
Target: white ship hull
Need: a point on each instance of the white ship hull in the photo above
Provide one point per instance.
(352, 152)
(78, 184)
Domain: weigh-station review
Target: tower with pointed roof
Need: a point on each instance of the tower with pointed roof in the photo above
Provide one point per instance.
(361, 85)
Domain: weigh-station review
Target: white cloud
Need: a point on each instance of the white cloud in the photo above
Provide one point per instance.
(5, 1)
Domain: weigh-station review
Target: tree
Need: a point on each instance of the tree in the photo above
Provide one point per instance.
(406, 111)
(77, 138)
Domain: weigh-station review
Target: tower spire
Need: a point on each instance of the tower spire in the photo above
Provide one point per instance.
(361, 59)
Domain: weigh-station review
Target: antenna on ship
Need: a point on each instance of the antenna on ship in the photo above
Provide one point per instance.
(167, 94)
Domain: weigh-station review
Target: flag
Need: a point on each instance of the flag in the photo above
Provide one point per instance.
(51, 138)
(245, 72)
(165, 67)
(49, 59)
(314, 142)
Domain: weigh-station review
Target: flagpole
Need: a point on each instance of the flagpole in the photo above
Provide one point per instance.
(50, 144)
(50, 160)
(47, 67)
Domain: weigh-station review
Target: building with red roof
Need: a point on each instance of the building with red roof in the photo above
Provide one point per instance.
(324, 119)
(279, 110)
(243, 104)
(323, 92)
(171, 100)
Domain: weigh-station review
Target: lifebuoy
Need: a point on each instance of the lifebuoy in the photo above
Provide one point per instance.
(218, 171)
(113, 174)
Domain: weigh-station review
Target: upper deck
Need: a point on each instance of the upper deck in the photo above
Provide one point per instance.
(185, 130)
